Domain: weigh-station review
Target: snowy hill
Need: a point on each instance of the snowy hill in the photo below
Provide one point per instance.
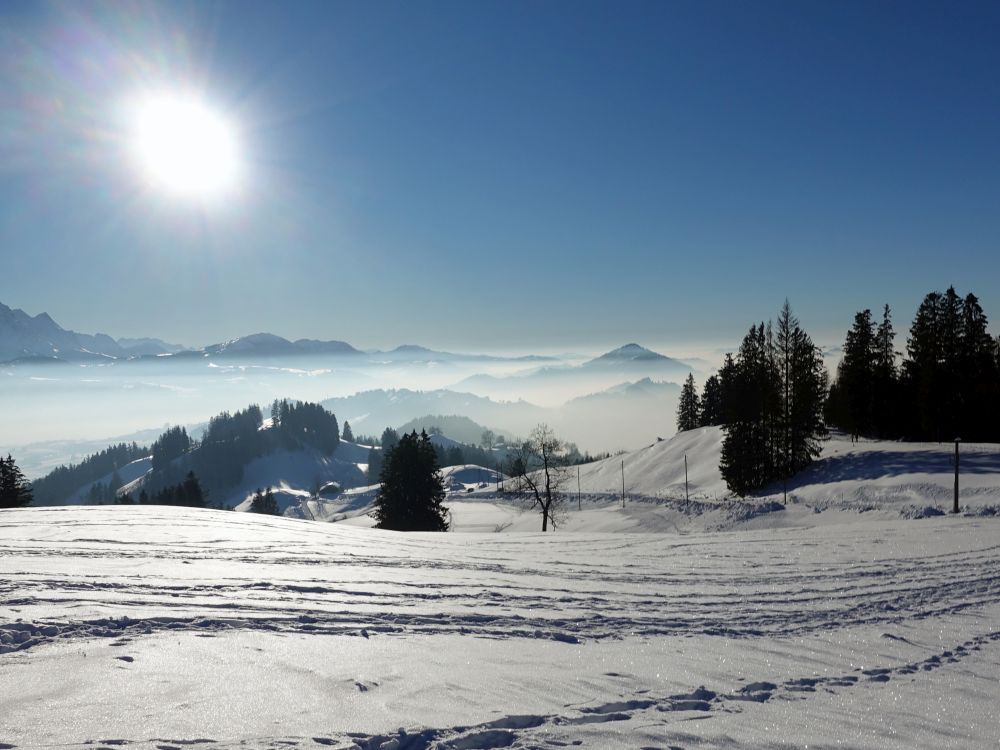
(230, 630)
(850, 483)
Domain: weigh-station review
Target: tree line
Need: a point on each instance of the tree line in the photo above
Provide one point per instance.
(947, 385)
(774, 404)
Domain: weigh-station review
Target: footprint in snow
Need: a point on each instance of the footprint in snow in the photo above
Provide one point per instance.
(128, 659)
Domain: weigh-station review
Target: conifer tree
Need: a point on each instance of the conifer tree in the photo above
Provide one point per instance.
(885, 385)
(711, 402)
(688, 407)
(411, 493)
(856, 377)
(347, 434)
(15, 492)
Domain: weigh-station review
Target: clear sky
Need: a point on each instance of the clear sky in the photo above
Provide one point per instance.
(514, 175)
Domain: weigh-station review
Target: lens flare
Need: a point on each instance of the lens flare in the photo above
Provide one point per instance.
(185, 148)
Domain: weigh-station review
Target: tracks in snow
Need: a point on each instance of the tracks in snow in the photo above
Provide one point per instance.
(658, 715)
(101, 576)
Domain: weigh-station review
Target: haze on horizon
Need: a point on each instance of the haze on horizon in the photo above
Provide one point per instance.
(502, 177)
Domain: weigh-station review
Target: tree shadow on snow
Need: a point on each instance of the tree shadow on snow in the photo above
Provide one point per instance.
(880, 464)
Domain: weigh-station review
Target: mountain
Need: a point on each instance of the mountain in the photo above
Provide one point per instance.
(556, 384)
(370, 412)
(25, 337)
(459, 428)
(640, 389)
(633, 356)
(35, 339)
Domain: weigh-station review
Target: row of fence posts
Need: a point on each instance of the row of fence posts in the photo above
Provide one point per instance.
(687, 496)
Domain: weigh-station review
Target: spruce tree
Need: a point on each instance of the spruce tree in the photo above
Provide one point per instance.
(15, 492)
(856, 377)
(711, 402)
(885, 385)
(751, 396)
(688, 407)
(411, 493)
(347, 434)
(980, 376)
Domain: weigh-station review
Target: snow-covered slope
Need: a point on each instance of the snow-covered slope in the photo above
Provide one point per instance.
(292, 475)
(850, 482)
(861, 476)
(145, 627)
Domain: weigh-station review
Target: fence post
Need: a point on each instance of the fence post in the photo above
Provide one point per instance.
(957, 441)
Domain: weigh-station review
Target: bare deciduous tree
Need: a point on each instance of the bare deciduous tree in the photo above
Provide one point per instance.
(538, 471)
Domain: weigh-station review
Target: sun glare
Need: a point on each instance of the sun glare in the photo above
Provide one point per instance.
(184, 148)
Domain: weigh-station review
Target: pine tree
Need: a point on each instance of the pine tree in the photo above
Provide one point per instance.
(347, 434)
(751, 397)
(15, 492)
(412, 491)
(805, 412)
(375, 456)
(931, 370)
(711, 402)
(856, 377)
(688, 407)
(885, 385)
(389, 439)
(980, 376)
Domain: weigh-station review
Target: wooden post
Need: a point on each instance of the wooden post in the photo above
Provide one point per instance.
(623, 482)
(687, 497)
(579, 503)
(955, 509)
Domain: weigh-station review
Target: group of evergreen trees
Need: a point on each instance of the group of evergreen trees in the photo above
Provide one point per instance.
(948, 385)
(63, 481)
(700, 411)
(772, 405)
(298, 424)
(264, 503)
(232, 440)
(187, 493)
(170, 445)
(769, 400)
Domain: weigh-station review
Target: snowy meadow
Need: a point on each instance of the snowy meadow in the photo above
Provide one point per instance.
(155, 627)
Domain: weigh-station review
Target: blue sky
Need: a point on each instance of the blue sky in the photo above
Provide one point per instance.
(545, 175)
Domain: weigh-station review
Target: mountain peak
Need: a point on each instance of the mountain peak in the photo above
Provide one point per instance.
(631, 351)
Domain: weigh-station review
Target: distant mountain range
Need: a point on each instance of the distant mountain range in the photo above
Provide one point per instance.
(629, 361)
(38, 339)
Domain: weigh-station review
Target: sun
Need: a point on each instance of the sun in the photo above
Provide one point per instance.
(184, 148)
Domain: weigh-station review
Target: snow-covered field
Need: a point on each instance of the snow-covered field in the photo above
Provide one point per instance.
(177, 628)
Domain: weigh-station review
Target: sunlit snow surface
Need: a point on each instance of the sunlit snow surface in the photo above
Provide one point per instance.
(157, 627)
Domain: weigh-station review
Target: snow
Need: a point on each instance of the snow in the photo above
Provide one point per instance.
(151, 627)
(860, 614)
